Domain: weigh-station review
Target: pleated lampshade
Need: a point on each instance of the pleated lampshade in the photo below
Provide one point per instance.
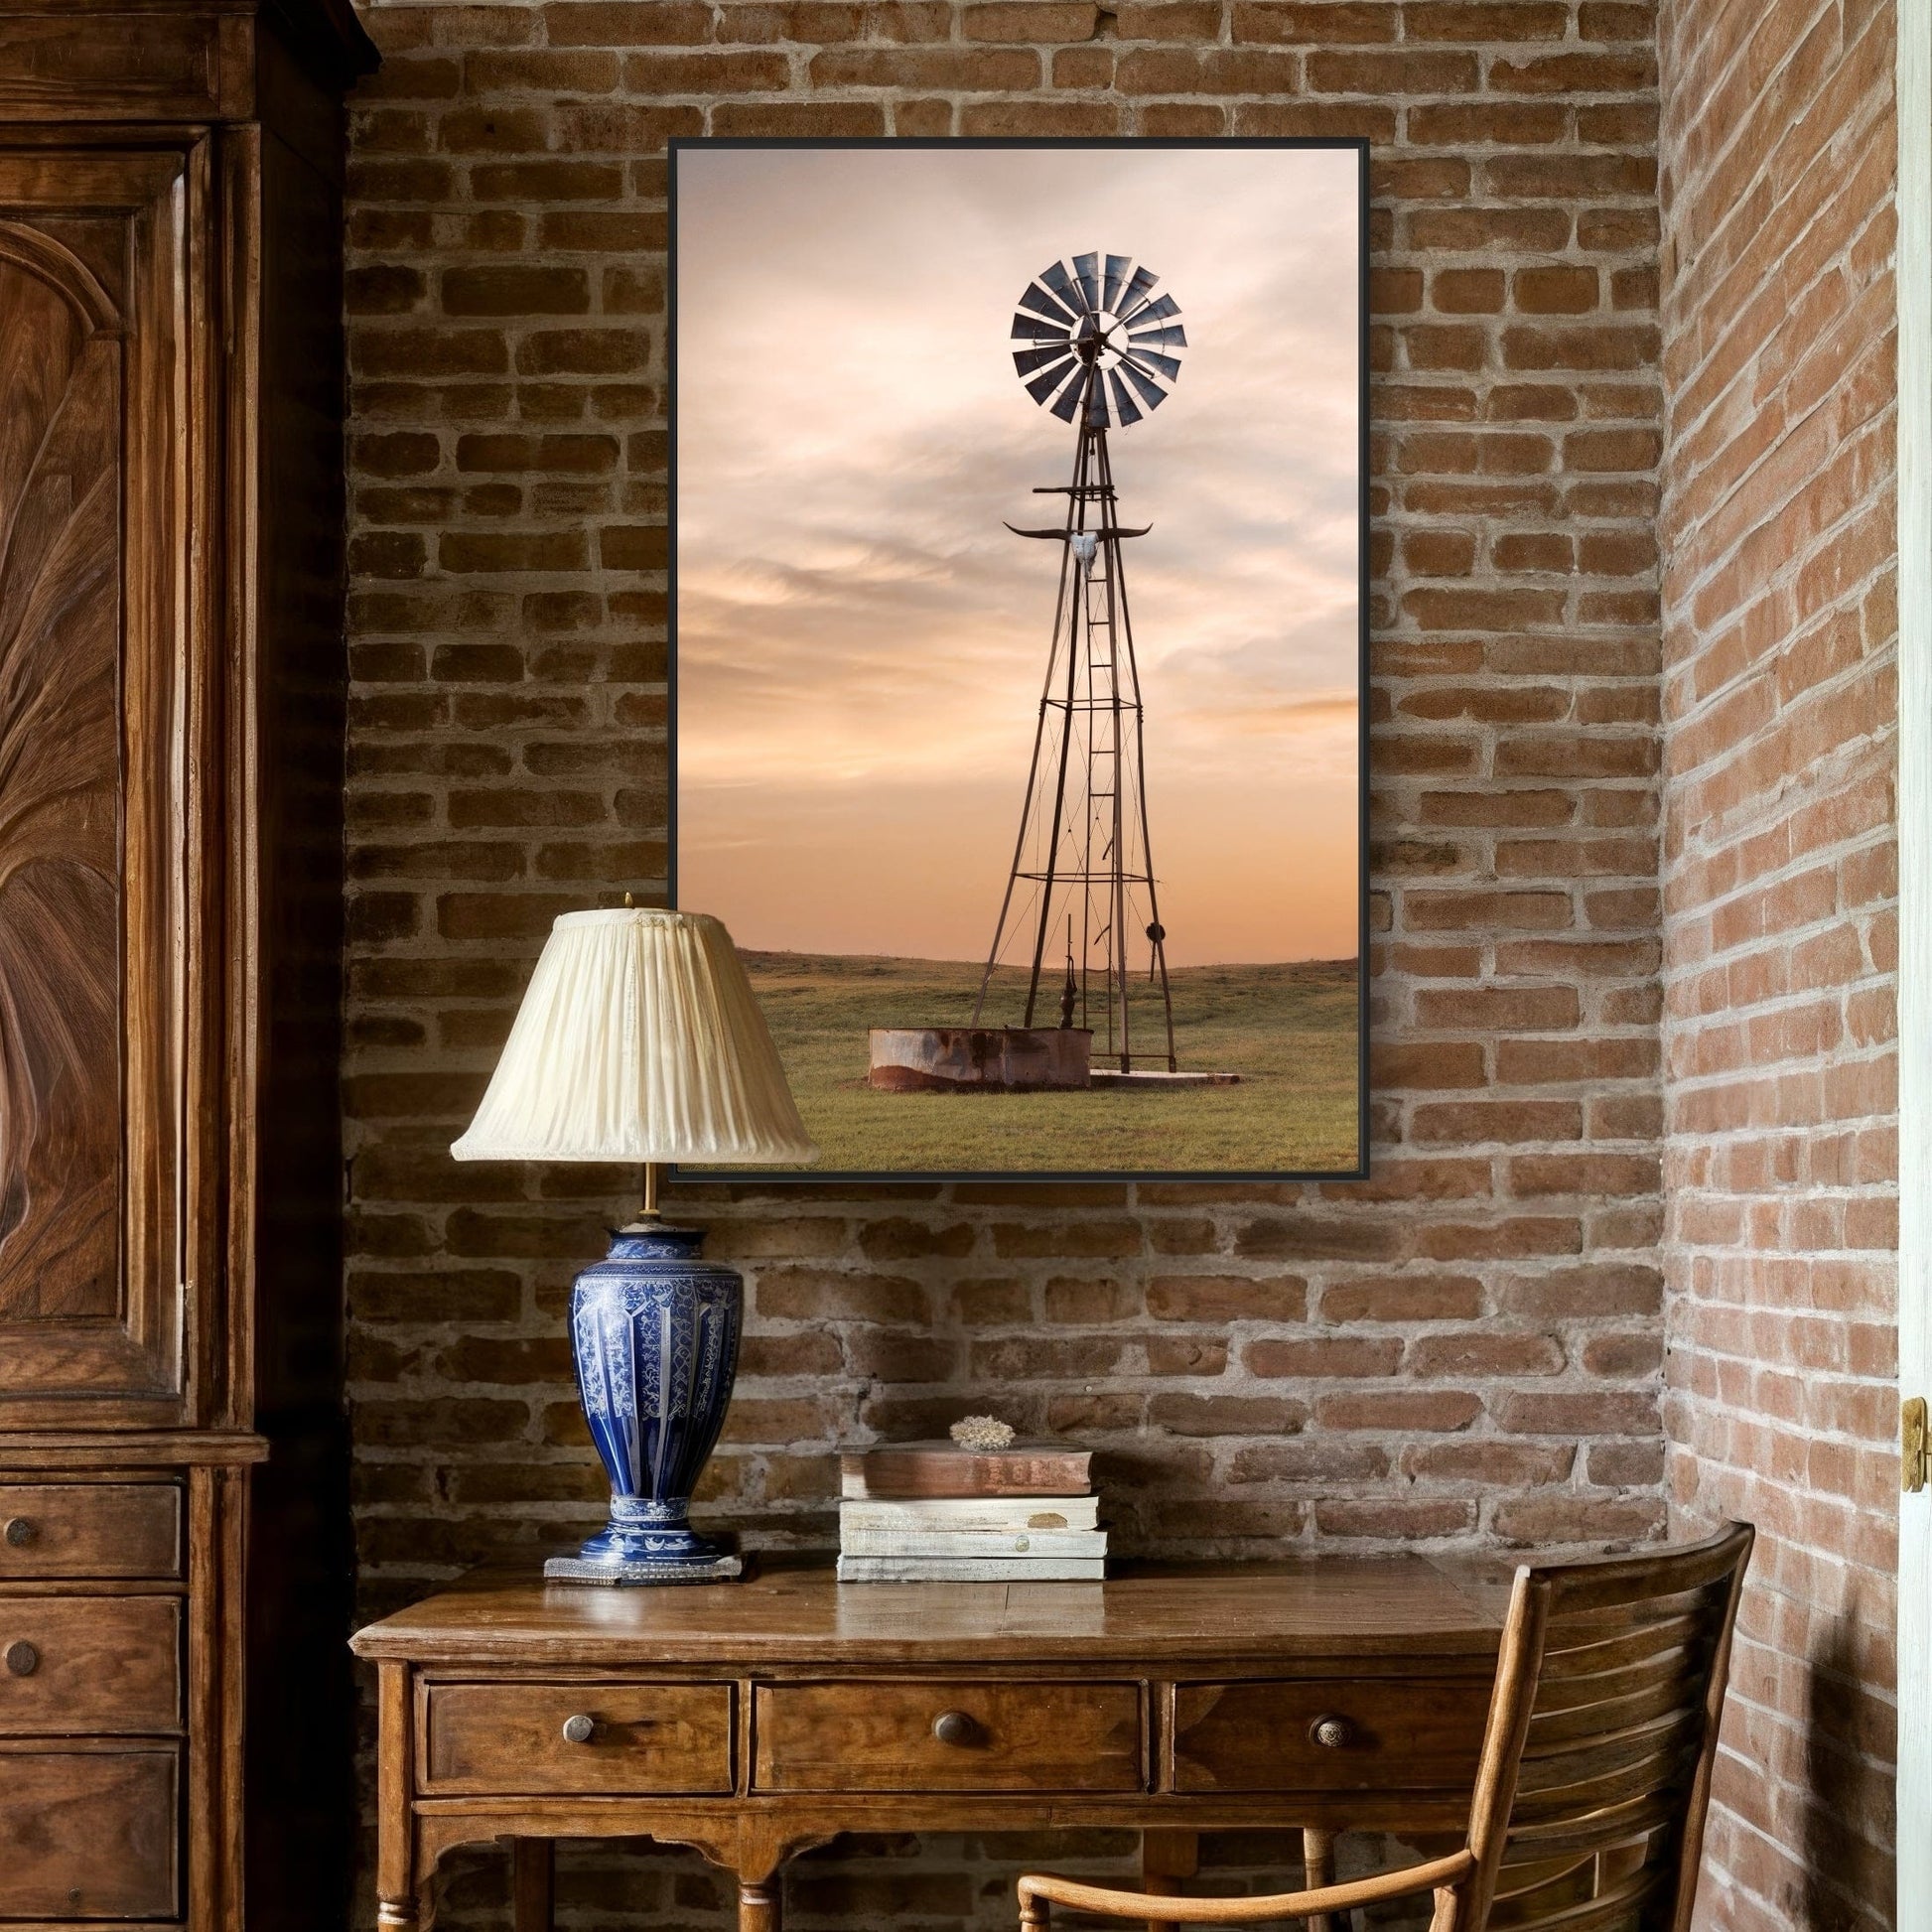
(639, 1040)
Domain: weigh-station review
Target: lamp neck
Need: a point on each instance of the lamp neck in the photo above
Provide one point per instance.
(649, 1213)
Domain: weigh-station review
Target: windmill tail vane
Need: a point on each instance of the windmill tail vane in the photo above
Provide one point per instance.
(1094, 344)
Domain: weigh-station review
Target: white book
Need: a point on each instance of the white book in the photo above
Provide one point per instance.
(971, 1569)
(972, 1544)
(978, 1515)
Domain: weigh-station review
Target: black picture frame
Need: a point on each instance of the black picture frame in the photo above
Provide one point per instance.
(760, 1179)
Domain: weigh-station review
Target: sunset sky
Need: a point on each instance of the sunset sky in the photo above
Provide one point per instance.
(861, 644)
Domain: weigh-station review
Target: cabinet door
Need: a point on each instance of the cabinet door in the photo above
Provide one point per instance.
(102, 503)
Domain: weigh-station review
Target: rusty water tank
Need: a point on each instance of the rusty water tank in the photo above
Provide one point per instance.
(981, 1059)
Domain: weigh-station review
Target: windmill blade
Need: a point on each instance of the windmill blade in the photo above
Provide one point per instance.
(1041, 304)
(1146, 359)
(1151, 392)
(1137, 292)
(1161, 311)
(1062, 283)
(1067, 405)
(1027, 360)
(1097, 404)
(1123, 402)
(1029, 329)
(1172, 336)
(1087, 273)
(1117, 267)
(1043, 386)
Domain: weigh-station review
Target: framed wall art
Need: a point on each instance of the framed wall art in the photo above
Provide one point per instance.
(1019, 628)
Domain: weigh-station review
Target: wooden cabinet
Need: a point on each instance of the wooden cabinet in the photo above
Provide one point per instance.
(171, 679)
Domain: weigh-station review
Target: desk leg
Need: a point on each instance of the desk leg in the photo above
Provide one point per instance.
(1319, 1864)
(533, 1869)
(1167, 1858)
(757, 1904)
(399, 1901)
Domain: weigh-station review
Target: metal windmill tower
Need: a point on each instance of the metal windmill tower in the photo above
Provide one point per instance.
(1099, 355)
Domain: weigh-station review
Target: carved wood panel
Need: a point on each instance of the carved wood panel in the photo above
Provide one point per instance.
(59, 789)
(102, 365)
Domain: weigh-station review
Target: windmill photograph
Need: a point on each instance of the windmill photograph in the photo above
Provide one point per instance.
(1018, 643)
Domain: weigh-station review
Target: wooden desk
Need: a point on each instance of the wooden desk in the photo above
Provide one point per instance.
(753, 1721)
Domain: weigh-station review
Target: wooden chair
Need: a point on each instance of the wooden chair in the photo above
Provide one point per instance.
(1596, 1772)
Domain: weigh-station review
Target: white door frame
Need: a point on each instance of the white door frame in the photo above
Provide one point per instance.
(1914, 284)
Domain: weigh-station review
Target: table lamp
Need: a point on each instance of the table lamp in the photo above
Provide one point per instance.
(640, 1040)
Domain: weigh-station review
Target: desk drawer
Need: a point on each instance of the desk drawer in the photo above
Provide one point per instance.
(639, 1739)
(89, 1529)
(948, 1735)
(93, 1664)
(1329, 1735)
(88, 1834)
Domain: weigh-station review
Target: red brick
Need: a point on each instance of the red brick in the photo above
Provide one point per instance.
(1311, 22)
(1406, 71)
(979, 70)
(1404, 1297)
(1034, 21)
(1466, 1357)
(1401, 1410)
(1211, 71)
(705, 74)
(620, 23)
(1226, 1298)
(1321, 1357)
(1195, 1414)
(1480, 22)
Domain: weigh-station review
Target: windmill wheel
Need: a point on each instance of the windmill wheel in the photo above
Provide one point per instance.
(1096, 330)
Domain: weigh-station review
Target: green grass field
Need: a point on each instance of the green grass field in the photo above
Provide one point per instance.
(1288, 1031)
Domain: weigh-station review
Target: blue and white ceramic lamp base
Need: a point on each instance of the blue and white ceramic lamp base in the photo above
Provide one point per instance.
(654, 1329)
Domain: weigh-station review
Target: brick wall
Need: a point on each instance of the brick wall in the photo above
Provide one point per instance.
(1465, 1349)
(1779, 160)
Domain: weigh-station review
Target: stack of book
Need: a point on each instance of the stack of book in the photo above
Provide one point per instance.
(933, 1512)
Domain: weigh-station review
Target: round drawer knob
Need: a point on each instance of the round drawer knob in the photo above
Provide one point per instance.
(579, 1729)
(954, 1728)
(21, 1531)
(23, 1660)
(1331, 1731)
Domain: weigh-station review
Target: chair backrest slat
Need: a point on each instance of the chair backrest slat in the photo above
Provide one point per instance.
(1628, 1906)
(1627, 1645)
(1591, 1799)
(1599, 1831)
(1581, 1690)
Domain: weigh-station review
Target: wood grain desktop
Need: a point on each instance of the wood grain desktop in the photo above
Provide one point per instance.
(756, 1721)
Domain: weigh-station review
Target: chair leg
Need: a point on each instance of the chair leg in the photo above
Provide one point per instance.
(1032, 1915)
(1318, 1865)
